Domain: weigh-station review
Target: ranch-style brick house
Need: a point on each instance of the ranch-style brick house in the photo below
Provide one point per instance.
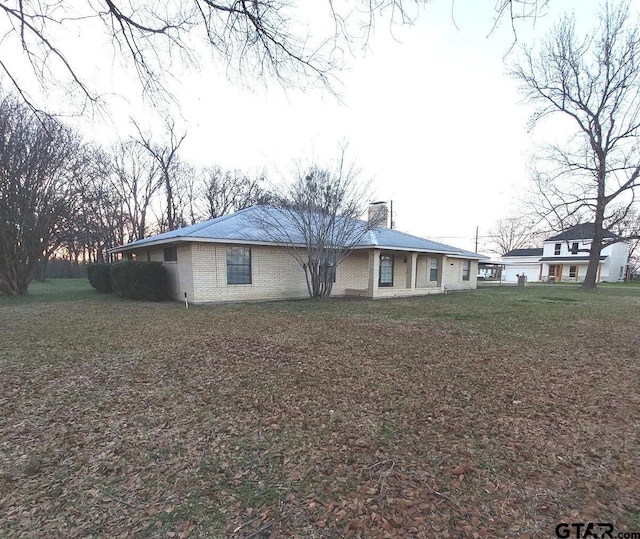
(230, 258)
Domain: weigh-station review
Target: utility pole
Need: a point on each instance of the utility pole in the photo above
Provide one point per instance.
(477, 239)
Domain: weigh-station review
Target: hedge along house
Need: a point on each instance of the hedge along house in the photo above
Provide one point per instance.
(231, 258)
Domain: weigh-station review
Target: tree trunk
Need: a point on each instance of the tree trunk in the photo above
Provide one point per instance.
(307, 277)
(15, 283)
(8, 287)
(170, 215)
(319, 280)
(315, 280)
(42, 270)
(590, 280)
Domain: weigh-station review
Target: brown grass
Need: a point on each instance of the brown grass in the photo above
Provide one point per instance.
(496, 413)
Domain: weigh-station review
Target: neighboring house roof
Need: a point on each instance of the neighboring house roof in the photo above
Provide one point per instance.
(582, 232)
(568, 258)
(524, 252)
(247, 226)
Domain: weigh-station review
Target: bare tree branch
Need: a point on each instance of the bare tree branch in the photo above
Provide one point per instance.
(257, 39)
(515, 232)
(226, 192)
(166, 157)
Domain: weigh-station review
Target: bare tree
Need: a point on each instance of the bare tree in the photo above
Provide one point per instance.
(226, 191)
(633, 264)
(629, 227)
(515, 232)
(166, 157)
(135, 178)
(259, 38)
(102, 222)
(317, 219)
(41, 169)
(594, 82)
(186, 193)
(86, 233)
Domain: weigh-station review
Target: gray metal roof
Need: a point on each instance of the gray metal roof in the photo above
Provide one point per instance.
(387, 238)
(524, 252)
(248, 226)
(583, 231)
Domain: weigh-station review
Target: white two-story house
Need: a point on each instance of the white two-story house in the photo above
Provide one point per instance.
(565, 258)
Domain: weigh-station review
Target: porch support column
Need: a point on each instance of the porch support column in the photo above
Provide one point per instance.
(412, 264)
(441, 275)
(374, 272)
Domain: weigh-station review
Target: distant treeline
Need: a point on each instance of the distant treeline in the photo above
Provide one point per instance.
(58, 268)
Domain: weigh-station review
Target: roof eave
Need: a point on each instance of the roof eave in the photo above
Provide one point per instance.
(474, 256)
(183, 239)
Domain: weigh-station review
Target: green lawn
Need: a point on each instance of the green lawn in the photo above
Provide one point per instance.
(495, 413)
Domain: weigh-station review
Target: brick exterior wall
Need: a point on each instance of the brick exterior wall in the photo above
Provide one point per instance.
(180, 272)
(452, 275)
(423, 272)
(201, 272)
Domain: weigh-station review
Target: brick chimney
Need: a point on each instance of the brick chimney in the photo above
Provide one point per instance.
(379, 215)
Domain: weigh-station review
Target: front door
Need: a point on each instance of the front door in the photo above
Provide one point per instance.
(555, 271)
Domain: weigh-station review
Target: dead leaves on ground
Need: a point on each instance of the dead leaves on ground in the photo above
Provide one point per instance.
(258, 422)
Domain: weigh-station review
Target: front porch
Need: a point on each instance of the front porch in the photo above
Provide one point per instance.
(566, 272)
(402, 274)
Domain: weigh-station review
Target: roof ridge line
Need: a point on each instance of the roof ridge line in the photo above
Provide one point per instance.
(219, 219)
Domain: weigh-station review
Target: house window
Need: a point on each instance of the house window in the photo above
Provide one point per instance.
(574, 248)
(433, 269)
(170, 254)
(327, 265)
(466, 270)
(573, 271)
(556, 250)
(386, 270)
(238, 265)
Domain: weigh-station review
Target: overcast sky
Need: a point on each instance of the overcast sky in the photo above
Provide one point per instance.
(429, 114)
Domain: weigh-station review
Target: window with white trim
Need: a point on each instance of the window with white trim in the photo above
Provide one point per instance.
(433, 269)
(238, 265)
(386, 271)
(466, 270)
